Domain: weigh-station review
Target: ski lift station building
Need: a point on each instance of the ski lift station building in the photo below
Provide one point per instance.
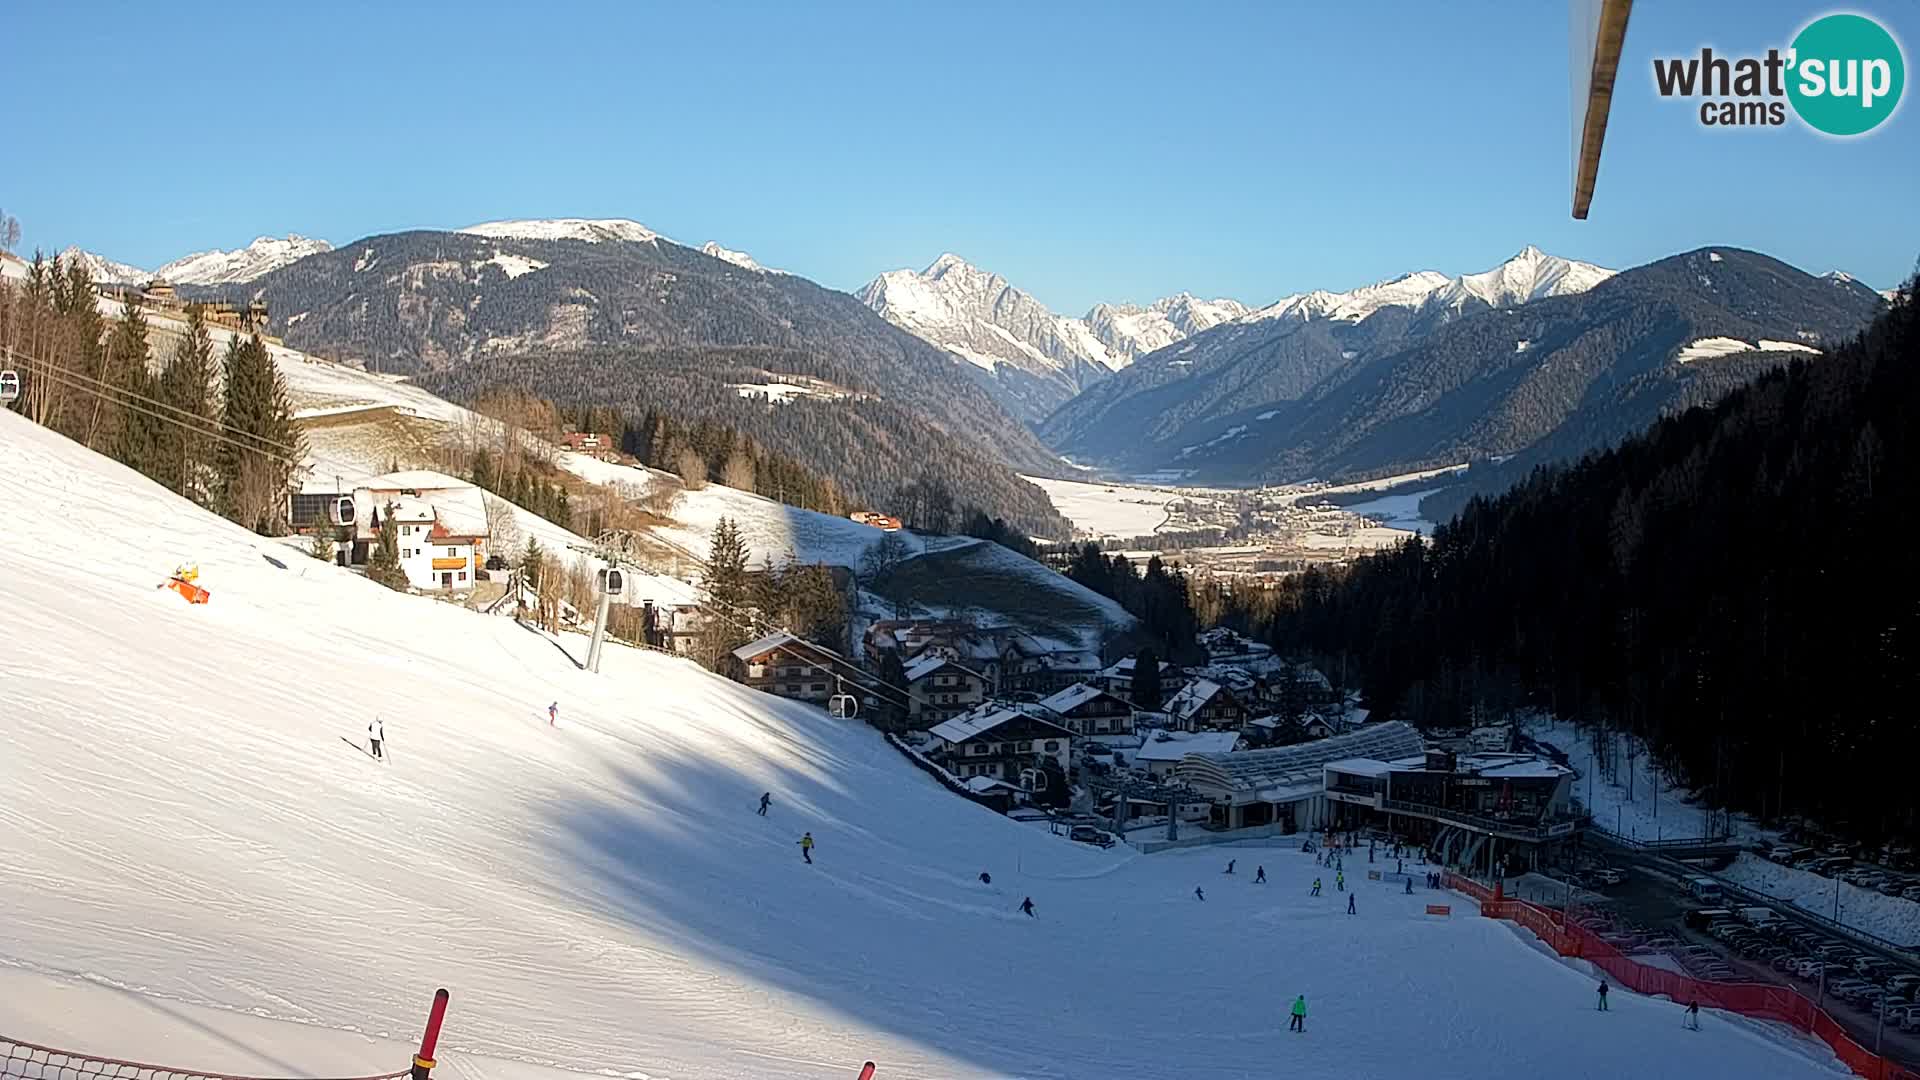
(1286, 785)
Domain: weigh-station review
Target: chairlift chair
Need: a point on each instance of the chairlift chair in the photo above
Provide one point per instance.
(612, 582)
(342, 511)
(842, 705)
(9, 387)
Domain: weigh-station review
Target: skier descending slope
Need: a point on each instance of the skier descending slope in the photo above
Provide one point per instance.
(1027, 906)
(806, 848)
(1299, 1021)
(553, 714)
(766, 798)
(1198, 893)
(376, 734)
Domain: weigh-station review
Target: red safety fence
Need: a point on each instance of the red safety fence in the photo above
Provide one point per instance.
(1762, 1001)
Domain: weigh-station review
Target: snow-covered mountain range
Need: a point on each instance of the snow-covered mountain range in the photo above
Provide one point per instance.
(737, 258)
(103, 269)
(1037, 359)
(1031, 357)
(592, 230)
(265, 255)
(1531, 274)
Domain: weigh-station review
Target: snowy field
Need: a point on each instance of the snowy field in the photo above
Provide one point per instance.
(1397, 511)
(1107, 509)
(204, 864)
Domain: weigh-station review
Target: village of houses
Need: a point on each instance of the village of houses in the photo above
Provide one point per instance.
(1244, 746)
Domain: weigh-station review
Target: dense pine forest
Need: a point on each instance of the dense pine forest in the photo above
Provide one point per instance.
(1729, 585)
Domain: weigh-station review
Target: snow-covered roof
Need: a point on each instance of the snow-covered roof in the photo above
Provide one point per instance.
(1123, 668)
(1072, 697)
(1193, 697)
(1360, 766)
(764, 645)
(1289, 769)
(410, 510)
(1178, 744)
(982, 720)
(925, 665)
(980, 785)
(413, 480)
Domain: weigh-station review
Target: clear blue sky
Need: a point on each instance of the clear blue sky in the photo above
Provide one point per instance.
(1109, 151)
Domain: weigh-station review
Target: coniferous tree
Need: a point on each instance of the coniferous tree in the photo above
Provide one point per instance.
(255, 463)
(1147, 693)
(727, 622)
(124, 424)
(187, 385)
(383, 565)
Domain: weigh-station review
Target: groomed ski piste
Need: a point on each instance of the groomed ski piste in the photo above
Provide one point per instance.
(197, 869)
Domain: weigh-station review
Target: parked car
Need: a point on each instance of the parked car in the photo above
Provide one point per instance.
(1087, 834)
(1911, 892)
(1807, 968)
(1610, 876)
(1893, 886)
(1847, 989)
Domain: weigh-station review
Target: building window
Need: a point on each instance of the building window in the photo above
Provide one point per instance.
(1053, 746)
(818, 686)
(463, 575)
(452, 554)
(977, 749)
(793, 688)
(1024, 746)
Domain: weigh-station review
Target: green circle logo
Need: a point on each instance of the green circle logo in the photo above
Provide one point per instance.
(1847, 74)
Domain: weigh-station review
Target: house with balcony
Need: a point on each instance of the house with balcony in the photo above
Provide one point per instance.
(1085, 709)
(1205, 705)
(434, 556)
(999, 743)
(941, 688)
(786, 666)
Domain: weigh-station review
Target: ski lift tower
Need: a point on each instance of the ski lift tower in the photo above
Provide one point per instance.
(619, 549)
(1123, 788)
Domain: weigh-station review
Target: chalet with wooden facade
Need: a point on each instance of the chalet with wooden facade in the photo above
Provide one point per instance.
(1085, 709)
(1205, 705)
(1000, 743)
(942, 689)
(785, 666)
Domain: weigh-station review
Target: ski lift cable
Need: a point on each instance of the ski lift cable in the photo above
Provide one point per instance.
(223, 436)
(136, 407)
(748, 621)
(189, 418)
(136, 395)
(764, 626)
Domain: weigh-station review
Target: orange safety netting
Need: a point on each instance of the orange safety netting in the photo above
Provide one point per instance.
(1763, 1001)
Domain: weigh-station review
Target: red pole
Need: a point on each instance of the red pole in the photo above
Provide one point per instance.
(423, 1061)
(866, 1071)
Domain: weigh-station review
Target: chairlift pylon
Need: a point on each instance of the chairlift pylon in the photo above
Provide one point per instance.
(9, 387)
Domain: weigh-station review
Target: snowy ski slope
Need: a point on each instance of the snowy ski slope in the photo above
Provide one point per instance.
(196, 867)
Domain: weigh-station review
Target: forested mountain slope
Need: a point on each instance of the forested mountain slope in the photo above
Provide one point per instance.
(1728, 584)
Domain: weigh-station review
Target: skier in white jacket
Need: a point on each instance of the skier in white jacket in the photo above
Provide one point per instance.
(376, 734)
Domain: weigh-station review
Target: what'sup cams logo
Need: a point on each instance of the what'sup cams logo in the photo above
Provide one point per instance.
(1842, 75)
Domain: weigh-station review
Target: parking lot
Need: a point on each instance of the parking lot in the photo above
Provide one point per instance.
(1646, 917)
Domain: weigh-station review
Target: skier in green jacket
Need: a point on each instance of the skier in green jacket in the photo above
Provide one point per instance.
(1299, 1021)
